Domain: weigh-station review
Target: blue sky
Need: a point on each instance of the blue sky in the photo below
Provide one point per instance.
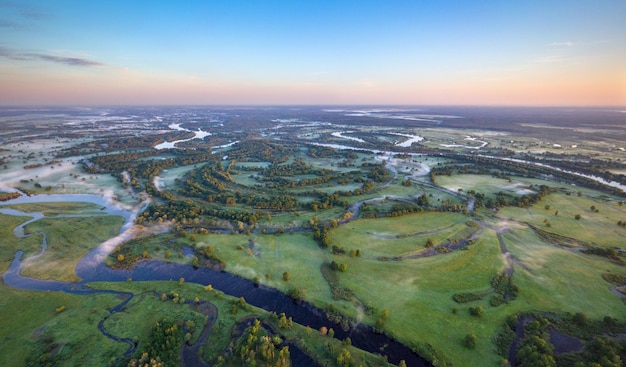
(305, 52)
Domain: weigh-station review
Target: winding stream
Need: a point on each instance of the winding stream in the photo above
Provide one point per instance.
(91, 268)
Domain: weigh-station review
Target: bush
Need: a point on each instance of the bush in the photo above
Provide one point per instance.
(496, 300)
(469, 341)
(467, 297)
(476, 311)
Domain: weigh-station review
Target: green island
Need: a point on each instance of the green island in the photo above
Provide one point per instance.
(470, 246)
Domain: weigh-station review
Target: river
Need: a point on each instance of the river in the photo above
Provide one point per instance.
(91, 268)
(172, 144)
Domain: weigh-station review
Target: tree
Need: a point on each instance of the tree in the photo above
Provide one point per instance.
(284, 322)
(476, 311)
(286, 276)
(469, 341)
(344, 358)
(580, 319)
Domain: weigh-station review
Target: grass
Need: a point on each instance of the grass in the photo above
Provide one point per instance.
(562, 280)
(69, 239)
(418, 294)
(295, 253)
(52, 208)
(400, 235)
(33, 318)
(484, 184)
(146, 308)
(599, 229)
(10, 244)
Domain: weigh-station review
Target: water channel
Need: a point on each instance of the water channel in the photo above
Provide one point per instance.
(91, 268)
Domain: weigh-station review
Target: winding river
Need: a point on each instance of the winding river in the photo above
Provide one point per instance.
(91, 268)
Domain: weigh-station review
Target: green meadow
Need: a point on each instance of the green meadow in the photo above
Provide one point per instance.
(11, 244)
(557, 214)
(403, 280)
(36, 328)
(400, 236)
(69, 239)
(297, 253)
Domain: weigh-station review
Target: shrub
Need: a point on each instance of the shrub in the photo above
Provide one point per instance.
(469, 341)
(466, 297)
(476, 311)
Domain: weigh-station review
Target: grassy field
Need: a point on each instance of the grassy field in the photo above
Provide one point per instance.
(400, 236)
(69, 239)
(10, 244)
(563, 280)
(33, 319)
(485, 184)
(418, 294)
(295, 253)
(147, 308)
(52, 208)
(489, 185)
(599, 229)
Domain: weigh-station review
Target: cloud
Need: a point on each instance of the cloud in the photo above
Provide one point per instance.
(28, 56)
(72, 61)
(562, 44)
(9, 24)
(25, 10)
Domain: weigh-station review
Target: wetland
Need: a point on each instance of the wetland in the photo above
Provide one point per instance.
(355, 236)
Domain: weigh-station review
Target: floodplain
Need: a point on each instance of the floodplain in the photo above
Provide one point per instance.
(448, 234)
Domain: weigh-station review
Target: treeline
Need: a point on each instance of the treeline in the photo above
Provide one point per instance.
(137, 167)
(208, 179)
(486, 165)
(9, 196)
(504, 199)
(163, 347)
(187, 210)
(260, 150)
(123, 143)
(397, 210)
(599, 347)
(583, 164)
(256, 347)
(378, 171)
(328, 152)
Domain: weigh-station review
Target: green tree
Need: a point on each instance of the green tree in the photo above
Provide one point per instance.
(476, 311)
(469, 341)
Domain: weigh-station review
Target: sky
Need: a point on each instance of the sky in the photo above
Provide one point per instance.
(134, 52)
